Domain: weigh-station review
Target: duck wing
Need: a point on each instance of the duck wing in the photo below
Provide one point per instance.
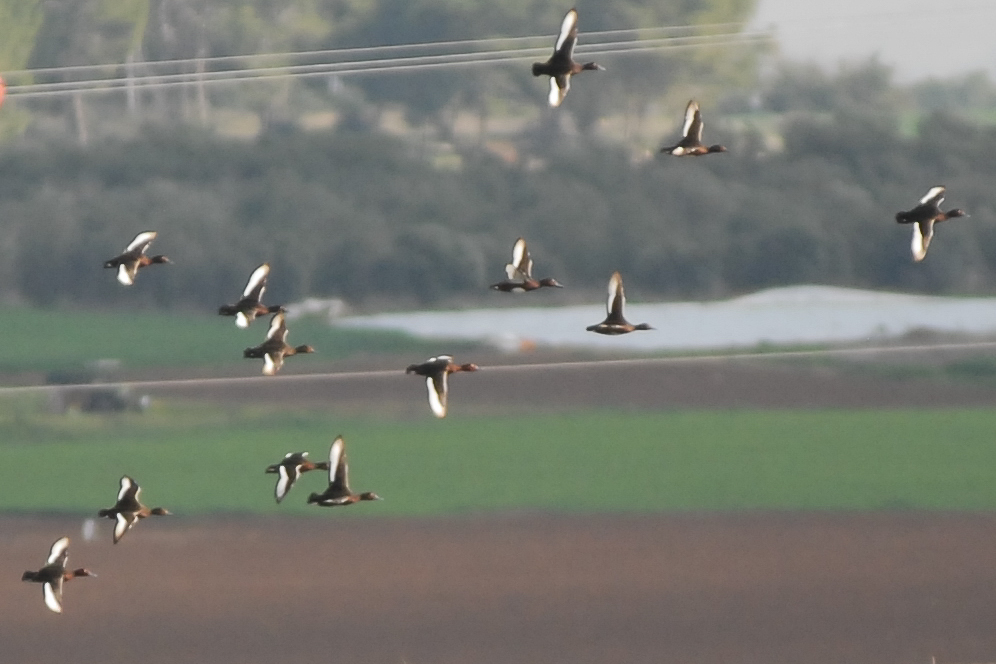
(272, 362)
(691, 115)
(127, 271)
(257, 283)
(278, 328)
(52, 593)
(568, 34)
(288, 475)
(141, 242)
(617, 297)
(123, 523)
(335, 458)
(59, 553)
(521, 266)
(935, 196)
(559, 87)
(438, 389)
(923, 232)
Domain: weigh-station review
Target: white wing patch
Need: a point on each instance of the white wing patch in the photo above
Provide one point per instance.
(690, 111)
(141, 239)
(920, 242)
(242, 320)
(615, 290)
(934, 191)
(437, 402)
(258, 275)
(565, 28)
(284, 483)
(335, 453)
(125, 487)
(275, 325)
(272, 364)
(121, 526)
(53, 598)
(125, 276)
(57, 550)
(557, 93)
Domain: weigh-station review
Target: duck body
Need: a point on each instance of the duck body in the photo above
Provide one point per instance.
(436, 370)
(338, 492)
(615, 322)
(133, 258)
(519, 273)
(54, 574)
(691, 140)
(250, 306)
(275, 348)
(290, 469)
(560, 67)
(923, 217)
(129, 510)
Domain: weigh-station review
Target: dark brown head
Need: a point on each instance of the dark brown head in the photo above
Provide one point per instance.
(79, 572)
(276, 309)
(465, 367)
(591, 66)
(717, 148)
(550, 282)
(642, 326)
(370, 495)
(957, 212)
(160, 511)
(159, 259)
(303, 349)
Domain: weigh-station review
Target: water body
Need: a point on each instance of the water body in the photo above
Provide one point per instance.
(782, 316)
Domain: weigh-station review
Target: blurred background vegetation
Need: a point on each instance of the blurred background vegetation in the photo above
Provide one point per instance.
(408, 189)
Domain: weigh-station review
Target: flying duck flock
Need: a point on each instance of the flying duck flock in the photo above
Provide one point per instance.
(560, 68)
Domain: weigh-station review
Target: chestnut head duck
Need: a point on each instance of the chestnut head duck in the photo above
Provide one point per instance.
(691, 140)
(435, 370)
(615, 322)
(339, 492)
(923, 217)
(250, 306)
(519, 273)
(561, 66)
(128, 510)
(134, 258)
(275, 348)
(290, 469)
(54, 574)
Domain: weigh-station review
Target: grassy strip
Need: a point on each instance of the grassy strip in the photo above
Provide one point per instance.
(202, 459)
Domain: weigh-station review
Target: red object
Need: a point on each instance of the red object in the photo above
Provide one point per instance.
(3, 90)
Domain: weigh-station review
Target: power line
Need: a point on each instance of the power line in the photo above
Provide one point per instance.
(917, 349)
(381, 65)
(589, 37)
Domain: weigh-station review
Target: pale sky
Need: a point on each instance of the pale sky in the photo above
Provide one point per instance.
(918, 38)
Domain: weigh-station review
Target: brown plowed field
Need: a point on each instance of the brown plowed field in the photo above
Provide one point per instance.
(749, 588)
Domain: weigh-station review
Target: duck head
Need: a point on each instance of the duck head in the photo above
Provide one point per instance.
(303, 349)
(370, 495)
(550, 282)
(160, 511)
(82, 571)
(591, 66)
(717, 148)
(159, 259)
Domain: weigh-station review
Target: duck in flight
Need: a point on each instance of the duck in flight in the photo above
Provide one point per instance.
(250, 306)
(338, 493)
(561, 65)
(615, 322)
(290, 469)
(691, 139)
(54, 574)
(133, 258)
(128, 509)
(436, 369)
(275, 348)
(923, 217)
(519, 273)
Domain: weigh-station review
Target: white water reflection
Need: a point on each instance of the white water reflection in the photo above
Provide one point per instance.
(782, 316)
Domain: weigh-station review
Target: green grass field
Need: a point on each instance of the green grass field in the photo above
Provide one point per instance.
(199, 459)
(53, 340)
